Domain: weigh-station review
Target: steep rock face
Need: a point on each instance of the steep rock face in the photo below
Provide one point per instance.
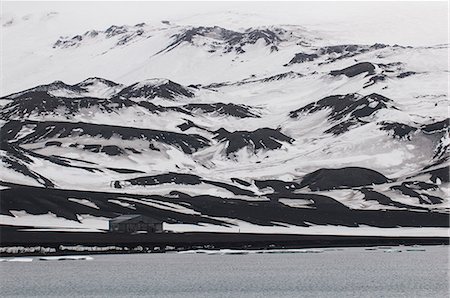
(263, 138)
(327, 179)
(152, 88)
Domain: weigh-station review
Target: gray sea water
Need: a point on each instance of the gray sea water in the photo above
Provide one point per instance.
(350, 272)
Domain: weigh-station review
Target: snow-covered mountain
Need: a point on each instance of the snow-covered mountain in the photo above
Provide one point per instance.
(268, 129)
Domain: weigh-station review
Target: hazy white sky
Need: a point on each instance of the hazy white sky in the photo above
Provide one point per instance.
(409, 23)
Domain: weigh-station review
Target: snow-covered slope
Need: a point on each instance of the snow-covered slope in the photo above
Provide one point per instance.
(208, 127)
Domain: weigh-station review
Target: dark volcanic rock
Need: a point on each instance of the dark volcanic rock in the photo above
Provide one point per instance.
(322, 211)
(125, 171)
(123, 33)
(262, 138)
(187, 125)
(375, 79)
(301, 58)
(344, 126)
(436, 127)
(176, 178)
(443, 148)
(17, 160)
(95, 80)
(338, 52)
(371, 195)
(398, 130)
(43, 103)
(115, 30)
(45, 130)
(240, 181)
(327, 179)
(53, 143)
(406, 74)
(354, 70)
(228, 39)
(353, 105)
(42, 89)
(239, 111)
(283, 76)
(112, 150)
(234, 189)
(61, 86)
(424, 198)
(180, 178)
(442, 174)
(339, 49)
(278, 186)
(155, 88)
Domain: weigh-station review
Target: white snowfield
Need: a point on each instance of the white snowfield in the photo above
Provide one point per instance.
(270, 79)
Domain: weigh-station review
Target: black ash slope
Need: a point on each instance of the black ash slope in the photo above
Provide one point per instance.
(323, 210)
(43, 131)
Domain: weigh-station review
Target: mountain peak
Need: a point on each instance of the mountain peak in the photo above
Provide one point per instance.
(156, 87)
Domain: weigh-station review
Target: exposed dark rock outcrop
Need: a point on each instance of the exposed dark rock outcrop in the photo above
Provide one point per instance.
(301, 58)
(283, 76)
(42, 131)
(398, 130)
(42, 89)
(354, 70)
(443, 174)
(414, 191)
(439, 126)
(125, 34)
(262, 138)
(341, 106)
(152, 88)
(327, 179)
(239, 111)
(371, 195)
(322, 211)
(348, 110)
(406, 74)
(228, 40)
(180, 179)
(43, 103)
(278, 186)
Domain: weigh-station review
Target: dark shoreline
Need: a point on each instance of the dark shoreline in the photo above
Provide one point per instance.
(70, 243)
